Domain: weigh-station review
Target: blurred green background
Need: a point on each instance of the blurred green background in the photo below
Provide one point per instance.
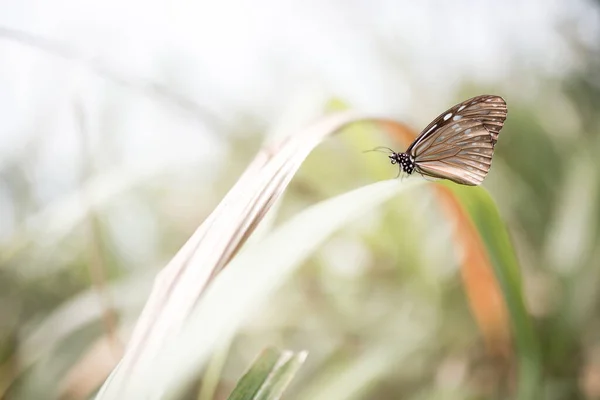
(122, 125)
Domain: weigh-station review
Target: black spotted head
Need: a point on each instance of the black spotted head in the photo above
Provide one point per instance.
(405, 161)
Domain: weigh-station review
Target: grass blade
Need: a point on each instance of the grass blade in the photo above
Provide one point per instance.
(479, 280)
(484, 215)
(230, 299)
(181, 283)
(268, 377)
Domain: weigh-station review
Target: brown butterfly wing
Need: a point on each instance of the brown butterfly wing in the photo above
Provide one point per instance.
(459, 144)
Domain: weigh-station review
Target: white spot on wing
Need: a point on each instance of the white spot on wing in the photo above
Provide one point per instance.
(430, 129)
(447, 116)
(462, 107)
(457, 118)
(468, 131)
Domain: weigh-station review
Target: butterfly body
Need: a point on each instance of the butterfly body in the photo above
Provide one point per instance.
(458, 145)
(404, 160)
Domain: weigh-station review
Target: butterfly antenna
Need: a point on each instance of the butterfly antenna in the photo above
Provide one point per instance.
(381, 150)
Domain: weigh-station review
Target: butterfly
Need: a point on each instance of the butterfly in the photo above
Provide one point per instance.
(459, 144)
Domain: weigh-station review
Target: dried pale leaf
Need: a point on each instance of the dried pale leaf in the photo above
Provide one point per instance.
(180, 283)
(249, 280)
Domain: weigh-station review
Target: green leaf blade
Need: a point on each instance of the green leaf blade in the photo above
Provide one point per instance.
(484, 215)
(269, 376)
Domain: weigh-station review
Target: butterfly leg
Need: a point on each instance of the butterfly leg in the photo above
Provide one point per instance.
(427, 177)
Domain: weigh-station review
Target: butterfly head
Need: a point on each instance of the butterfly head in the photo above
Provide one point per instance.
(404, 160)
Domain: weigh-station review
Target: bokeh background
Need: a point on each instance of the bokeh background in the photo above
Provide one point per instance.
(123, 123)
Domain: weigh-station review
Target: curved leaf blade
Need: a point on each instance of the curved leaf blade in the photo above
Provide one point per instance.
(249, 280)
(485, 217)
